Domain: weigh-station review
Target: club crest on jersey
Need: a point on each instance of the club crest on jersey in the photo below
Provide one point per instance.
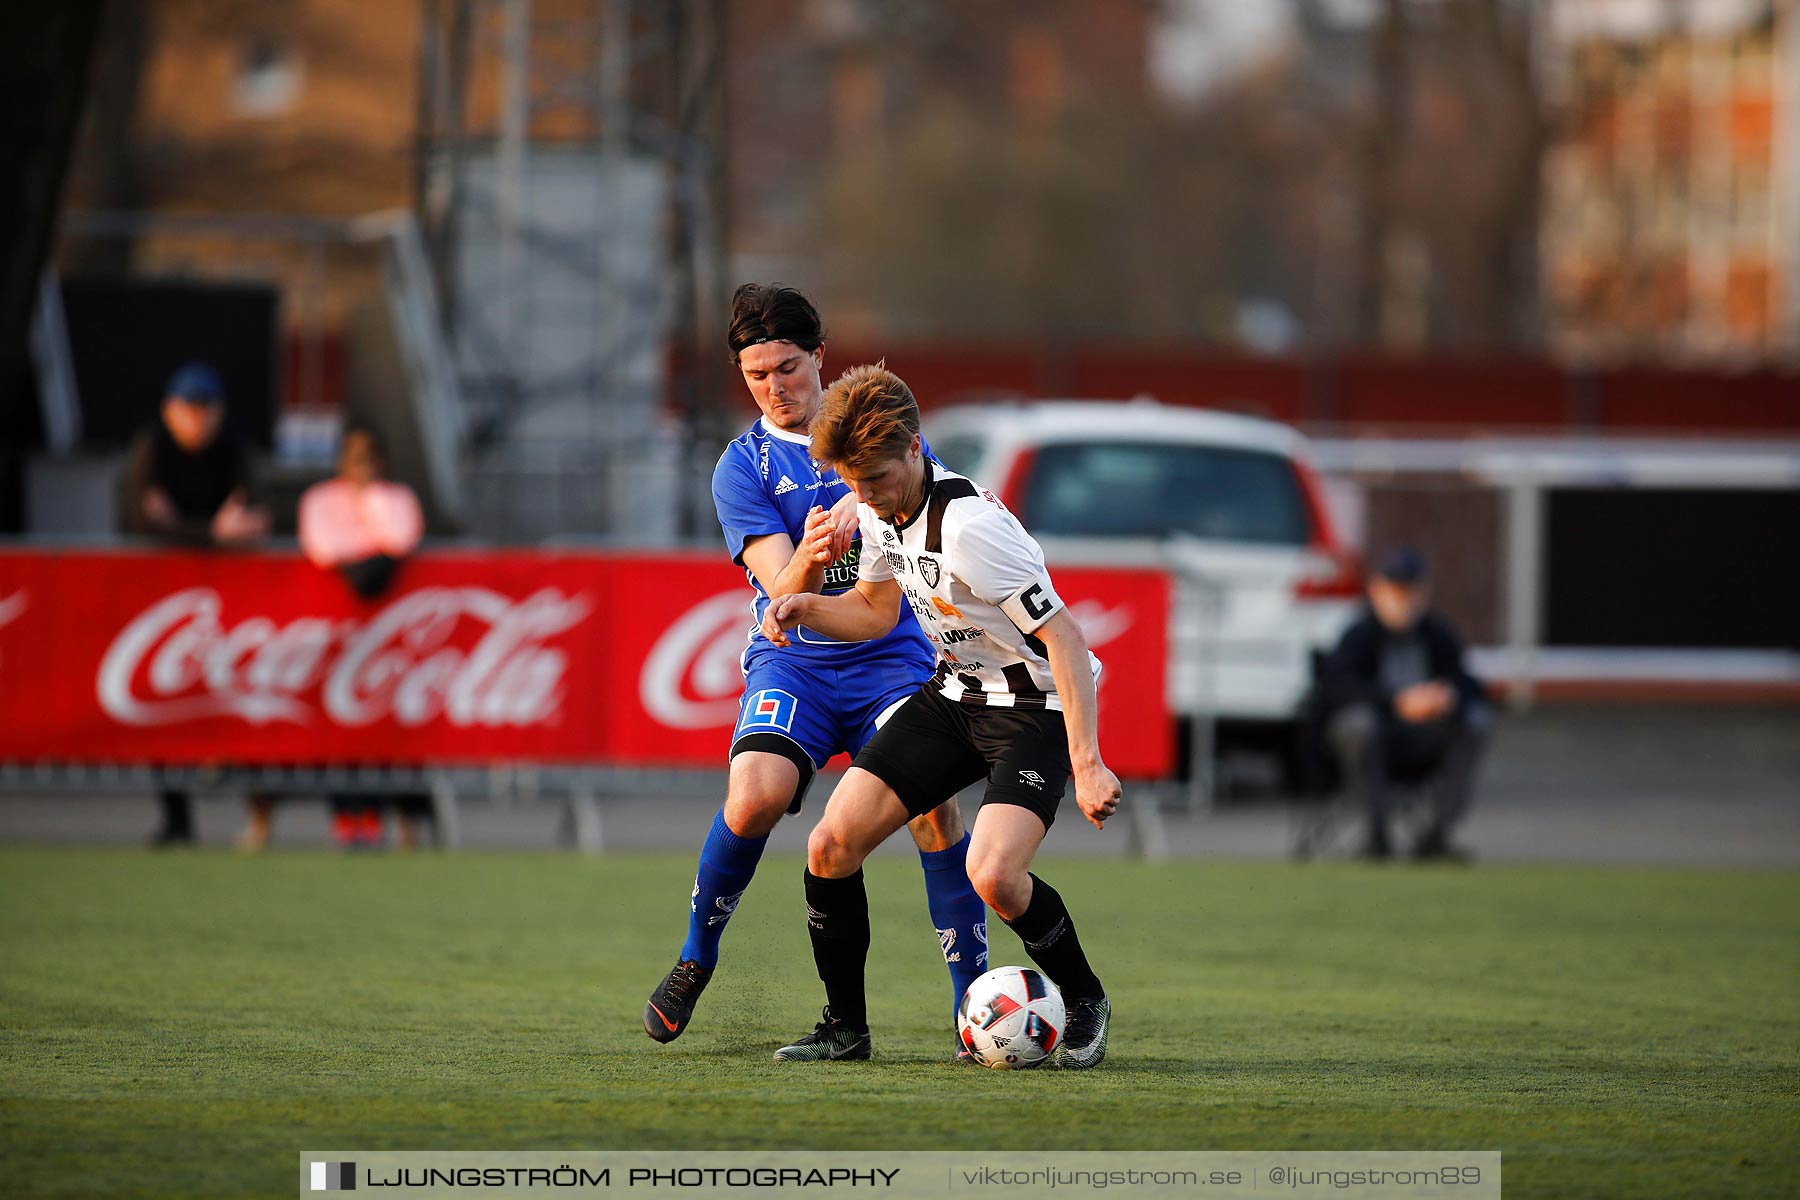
(928, 567)
(770, 707)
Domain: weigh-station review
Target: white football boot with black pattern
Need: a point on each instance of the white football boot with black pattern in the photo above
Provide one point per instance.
(1084, 1036)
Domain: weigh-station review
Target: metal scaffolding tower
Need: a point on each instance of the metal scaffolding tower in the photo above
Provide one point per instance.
(569, 184)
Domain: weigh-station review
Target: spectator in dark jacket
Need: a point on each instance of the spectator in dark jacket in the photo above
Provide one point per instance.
(187, 482)
(1405, 708)
(188, 476)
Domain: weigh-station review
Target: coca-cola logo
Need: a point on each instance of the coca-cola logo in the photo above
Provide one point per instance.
(1100, 624)
(12, 608)
(694, 673)
(411, 663)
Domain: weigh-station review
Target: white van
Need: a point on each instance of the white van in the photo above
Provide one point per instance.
(1230, 505)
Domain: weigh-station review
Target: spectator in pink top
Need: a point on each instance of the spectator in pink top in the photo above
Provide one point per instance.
(361, 526)
(359, 523)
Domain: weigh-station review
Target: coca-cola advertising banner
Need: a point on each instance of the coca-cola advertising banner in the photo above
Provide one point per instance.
(469, 659)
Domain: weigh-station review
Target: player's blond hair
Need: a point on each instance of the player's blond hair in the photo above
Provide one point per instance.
(867, 419)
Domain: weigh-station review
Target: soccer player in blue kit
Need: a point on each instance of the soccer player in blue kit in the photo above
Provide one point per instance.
(805, 703)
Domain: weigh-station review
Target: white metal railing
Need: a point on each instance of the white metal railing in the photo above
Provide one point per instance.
(60, 403)
(1523, 471)
(436, 392)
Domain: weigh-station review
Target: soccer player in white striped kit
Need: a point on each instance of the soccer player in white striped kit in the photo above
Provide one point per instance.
(1013, 701)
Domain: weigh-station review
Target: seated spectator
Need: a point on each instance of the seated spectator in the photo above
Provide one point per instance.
(187, 481)
(360, 525)
(1404, 708)
(187, 478)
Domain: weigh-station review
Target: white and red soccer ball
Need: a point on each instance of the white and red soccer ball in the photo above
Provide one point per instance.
(1011, 1017)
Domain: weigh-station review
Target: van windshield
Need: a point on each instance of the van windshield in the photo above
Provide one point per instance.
(1132, 489)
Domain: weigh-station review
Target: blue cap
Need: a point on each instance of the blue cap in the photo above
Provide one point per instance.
(198, 382)
(1403, 565)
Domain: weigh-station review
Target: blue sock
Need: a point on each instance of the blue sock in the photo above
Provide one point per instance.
(958, 914)
(727, 863)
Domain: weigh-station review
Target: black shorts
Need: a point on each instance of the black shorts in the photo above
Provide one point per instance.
(933, 748)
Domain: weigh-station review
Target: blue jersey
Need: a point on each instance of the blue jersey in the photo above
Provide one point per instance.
(766, 482)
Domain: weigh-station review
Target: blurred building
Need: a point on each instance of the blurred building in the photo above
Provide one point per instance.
(1353, 216)
(556, 156)
(1672, 194)
(811, 84)
(226, 151)
(223, 108)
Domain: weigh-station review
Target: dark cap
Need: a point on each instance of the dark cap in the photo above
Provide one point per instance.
(197, 382)
(1402, 565)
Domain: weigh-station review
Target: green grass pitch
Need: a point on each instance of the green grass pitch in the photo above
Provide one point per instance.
(184, 1024)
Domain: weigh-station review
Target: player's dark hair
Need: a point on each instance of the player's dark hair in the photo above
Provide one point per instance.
(867, 419)
(772, 312)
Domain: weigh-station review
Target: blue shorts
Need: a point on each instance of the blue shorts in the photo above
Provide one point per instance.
(807, 713)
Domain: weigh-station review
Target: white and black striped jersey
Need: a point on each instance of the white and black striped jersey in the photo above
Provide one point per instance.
(976, 581)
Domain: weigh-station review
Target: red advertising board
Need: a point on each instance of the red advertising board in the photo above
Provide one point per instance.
(472, 658)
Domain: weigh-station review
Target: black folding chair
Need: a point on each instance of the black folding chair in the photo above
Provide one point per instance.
(1325, 805)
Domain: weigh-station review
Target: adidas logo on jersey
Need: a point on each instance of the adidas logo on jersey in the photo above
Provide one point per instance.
(785, 486)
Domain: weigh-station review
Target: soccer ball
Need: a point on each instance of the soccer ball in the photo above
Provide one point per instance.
(1011, 1017)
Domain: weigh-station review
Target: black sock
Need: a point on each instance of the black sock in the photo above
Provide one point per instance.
(1048, 932)
(177, 816)
(837, 917)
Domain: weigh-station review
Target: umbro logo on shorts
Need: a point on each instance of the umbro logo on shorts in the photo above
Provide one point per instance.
(1033, 778)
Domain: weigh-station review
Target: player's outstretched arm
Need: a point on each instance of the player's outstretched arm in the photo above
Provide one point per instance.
(784, 568)
(865, 612)
(1096, 788)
